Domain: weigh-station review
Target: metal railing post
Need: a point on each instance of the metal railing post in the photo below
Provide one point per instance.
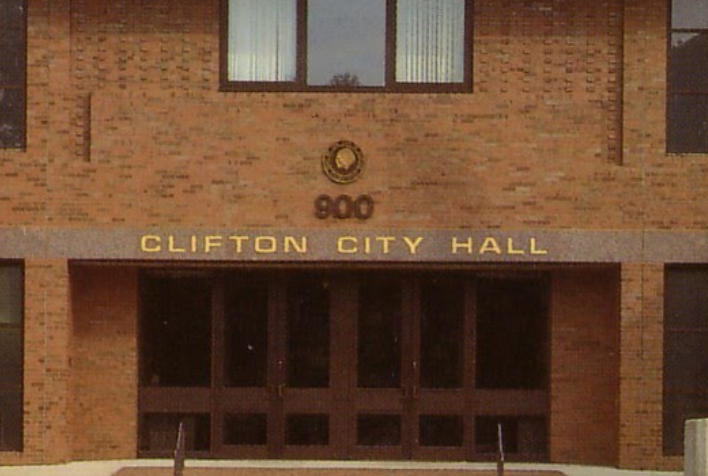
(500, 450)
(180, 450)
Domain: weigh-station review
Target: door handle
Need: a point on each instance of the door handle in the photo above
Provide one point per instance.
(280, 389)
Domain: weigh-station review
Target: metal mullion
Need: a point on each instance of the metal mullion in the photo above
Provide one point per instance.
(301, 50)
(390, 57)
(688, 92)
(343, 312)
(469, 365)
(217, 362)
(689, 30)
(687, 330)
(276, 370)
(409, 317)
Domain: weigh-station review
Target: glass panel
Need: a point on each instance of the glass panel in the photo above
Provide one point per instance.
(262, 40)
(686, 361)
(441, 334)
(12, 58)
(379, 336)
(441, 430)
(11, 414)
(688, 123)
(11, 388)
(689, 14)
(688, 69)
(12, 117)
(246, 334)
(176, 332)
(346, 42)
(307, 430)
(686, 302)
(677, 409)
(11, 14)
(245, 429)
(10, 359)
(308, 334)
(430, 41)
(378, 430)
(159, 431)
(512, 334)
(520, 435)
(10, 295)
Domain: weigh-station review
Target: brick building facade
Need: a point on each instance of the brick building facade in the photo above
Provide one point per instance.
(145, 175)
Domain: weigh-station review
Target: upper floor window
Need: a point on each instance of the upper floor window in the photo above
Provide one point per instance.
(12, 74)
(350, 45)
(687, 111)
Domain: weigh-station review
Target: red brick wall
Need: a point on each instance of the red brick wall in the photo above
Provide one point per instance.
(524, 150)
(47, 348)
(105, 364)
(127, 128)
(585, 366)
(641, 371)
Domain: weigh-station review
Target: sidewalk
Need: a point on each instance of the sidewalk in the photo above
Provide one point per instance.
(109, 468)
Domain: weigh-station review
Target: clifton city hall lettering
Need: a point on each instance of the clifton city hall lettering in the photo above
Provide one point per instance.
(339, 245)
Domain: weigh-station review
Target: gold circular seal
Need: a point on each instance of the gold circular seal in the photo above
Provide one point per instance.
(343, 162)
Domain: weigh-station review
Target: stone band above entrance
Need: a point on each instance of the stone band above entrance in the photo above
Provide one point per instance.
(339, 245)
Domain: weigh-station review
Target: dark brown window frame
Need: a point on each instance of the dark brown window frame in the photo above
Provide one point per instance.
(273, 398)
(300, 83)
(675, 148)
(22, 84)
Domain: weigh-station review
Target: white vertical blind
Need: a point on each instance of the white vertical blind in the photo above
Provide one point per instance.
(262, 40)
(430, 41)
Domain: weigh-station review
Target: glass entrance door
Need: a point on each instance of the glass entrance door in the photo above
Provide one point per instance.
(412, 387)
(278, 394)
(359, 365)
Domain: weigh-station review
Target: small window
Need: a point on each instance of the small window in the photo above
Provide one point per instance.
(687, 108)
(12, 74)
(11, 367)
(350, 45)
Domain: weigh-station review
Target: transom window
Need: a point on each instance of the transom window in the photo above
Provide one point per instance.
(12, 74)
(352, 45)
(687, 111)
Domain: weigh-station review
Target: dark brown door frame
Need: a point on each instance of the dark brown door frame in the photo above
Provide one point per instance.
(342, 399)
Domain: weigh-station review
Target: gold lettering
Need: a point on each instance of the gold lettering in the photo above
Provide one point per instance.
(341, 248)
(490, 245)
(171, 247)
(147, 247)
(367, 245)
(266, 245)
(238, 241)
(212, 241)
(291, 244)
(465, 245)
(194, 244)
(385, 240)
(413, 244)
(510, 248)
(535, 250)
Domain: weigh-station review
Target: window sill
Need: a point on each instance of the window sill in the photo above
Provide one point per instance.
(240, 87)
